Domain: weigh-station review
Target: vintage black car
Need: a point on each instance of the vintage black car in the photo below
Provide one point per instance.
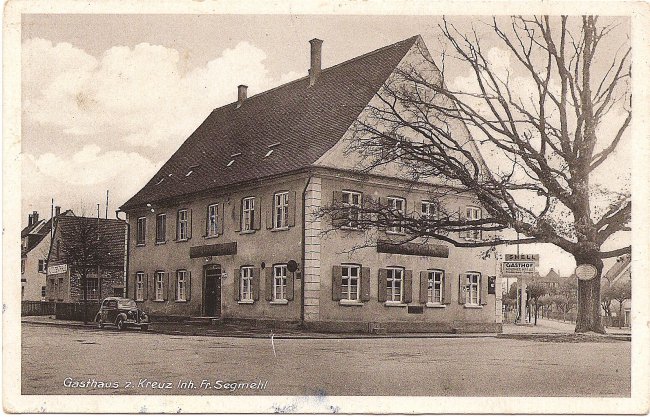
(121, 312)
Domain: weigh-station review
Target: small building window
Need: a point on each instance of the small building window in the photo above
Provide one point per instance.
(42, 266)
(161, 228)
(279, 282)
(43, 292)
(160, 279)
(435, 286)
(139, 286)
(473, 213)
(245, 283)
(141, 231)
(281, 210)
(92, 288)
(350, 282)
(248, 213)
(182, 225)
(394, 284)
(397, 205)
(213, 226)
(181, 285)
(430, 211)
(22, 266)
(473, 286)
(352, 202)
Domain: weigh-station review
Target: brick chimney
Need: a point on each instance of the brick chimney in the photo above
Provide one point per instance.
(241, 94)
(32, 219)
(315, 62)
(57, 210)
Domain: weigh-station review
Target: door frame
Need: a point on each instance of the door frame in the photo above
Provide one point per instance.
(203, 292)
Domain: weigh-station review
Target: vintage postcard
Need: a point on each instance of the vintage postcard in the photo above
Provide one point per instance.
(325, 207)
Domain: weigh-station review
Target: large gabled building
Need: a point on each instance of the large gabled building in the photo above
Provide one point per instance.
(228, 227)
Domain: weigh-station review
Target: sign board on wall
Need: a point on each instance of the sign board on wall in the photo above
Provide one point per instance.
(57, 269)
(516, 268)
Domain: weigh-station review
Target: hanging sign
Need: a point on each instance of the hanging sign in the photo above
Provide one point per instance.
(534, 257)
(516, 268)
(57, 269)
(585, 272)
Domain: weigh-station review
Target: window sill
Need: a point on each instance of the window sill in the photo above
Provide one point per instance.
(280, 229)
(350, 303)
(139, 301)
(352, 229)
(435, 305)
(137, 245)
(245, 301)
(395, 304)
(158, 301)
(180, 301)
(472, 306)
(211, 236)
(247, 232)
(391, 232)
(181, 240)
(162, 242)
(279, 302)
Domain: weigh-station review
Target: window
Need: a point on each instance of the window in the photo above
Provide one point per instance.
(139, 286)
(430, 210)
(397, 204)
(181, 285)
(213, 229)
(350, 282)
(281, 210)
(92, 289)
(473, 285)
(473, 213)
(279, 282)
(142, 231)
(182, 226)
(53, 287)
(161, 228)
(245, 283)
(394, 284)
(43, 291)
(22, 266)
(248, 213)
(42, 266)
(160, 278)
(434, 287)
(352, 200)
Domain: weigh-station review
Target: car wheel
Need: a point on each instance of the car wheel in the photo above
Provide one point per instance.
(100, 324)
(120, 324)
(145, 327)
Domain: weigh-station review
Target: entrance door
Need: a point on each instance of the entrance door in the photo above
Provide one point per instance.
(212, 293)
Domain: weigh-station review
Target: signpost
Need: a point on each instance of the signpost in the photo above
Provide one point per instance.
(521, 266)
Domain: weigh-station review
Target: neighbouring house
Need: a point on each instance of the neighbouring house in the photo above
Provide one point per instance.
(229, 226)
(89, 246)
(551, 280)
(35, 245)
(620, 273)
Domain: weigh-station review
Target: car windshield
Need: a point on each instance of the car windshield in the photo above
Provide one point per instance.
(127, 304)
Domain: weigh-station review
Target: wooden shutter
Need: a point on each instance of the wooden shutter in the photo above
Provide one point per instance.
(483, 284)
(165, 287)
(337, 199)
(178, 224)
(292, 209)
(134, 285)
(365, 284)
(269, 212)
(237, 282)
(424, 286)
(257, 214)
(148, 291)
(189, 224)
(446, 292)
(207, 221)
(381, 287)
(255, 283)
(188, 286)
(408, 286)
(290, 283)
(461, 292)
(268, 284)
(382, 202)
(221, 207)
(337, 272)
(236, 214)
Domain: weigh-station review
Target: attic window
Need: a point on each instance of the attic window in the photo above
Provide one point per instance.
(231, 162)
(189, 173)
(268, 153)
(235, 154)
(191, 170)
(160, 181)
(273, 145)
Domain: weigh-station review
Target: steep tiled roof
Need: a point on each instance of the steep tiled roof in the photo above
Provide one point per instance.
(303, 121)
(35, 238)
(621, 264)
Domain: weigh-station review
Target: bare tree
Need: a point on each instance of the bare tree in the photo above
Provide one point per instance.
(84, 249)
(543, 146)
(621, 291)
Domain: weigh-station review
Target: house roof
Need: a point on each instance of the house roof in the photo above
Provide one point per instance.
(35, 238)
(111, 231)
(297, 121)
(621, 264)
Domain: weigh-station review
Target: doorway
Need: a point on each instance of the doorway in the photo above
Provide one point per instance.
(212, 291)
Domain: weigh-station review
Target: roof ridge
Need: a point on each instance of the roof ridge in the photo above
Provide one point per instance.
(340, 64)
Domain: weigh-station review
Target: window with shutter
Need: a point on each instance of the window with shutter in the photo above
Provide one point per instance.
(394, 284)
(281, 210)
(248, 214)
(246, 283)
(181, 285)
(398, 207)
(161, 228)
(159, 286)
(182, 225)
(212, 220)
(350, 278)
(142, 231)
(473, 287)
(139, 286)
(280, 282)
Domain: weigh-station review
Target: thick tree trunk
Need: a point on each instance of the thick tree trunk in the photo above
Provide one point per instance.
(588, 317)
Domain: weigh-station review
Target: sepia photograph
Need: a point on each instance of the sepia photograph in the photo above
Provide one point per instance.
(325, 210)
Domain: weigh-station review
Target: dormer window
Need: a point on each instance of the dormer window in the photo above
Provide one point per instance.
(268, 153)
(189, 173)
(232, 161)
(160, 181)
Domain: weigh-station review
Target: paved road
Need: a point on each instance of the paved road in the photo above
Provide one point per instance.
(422, 367)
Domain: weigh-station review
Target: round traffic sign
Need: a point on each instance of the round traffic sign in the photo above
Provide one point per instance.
(586, 272)
(292, 266)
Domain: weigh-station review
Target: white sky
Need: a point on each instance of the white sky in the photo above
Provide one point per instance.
(108, 98)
